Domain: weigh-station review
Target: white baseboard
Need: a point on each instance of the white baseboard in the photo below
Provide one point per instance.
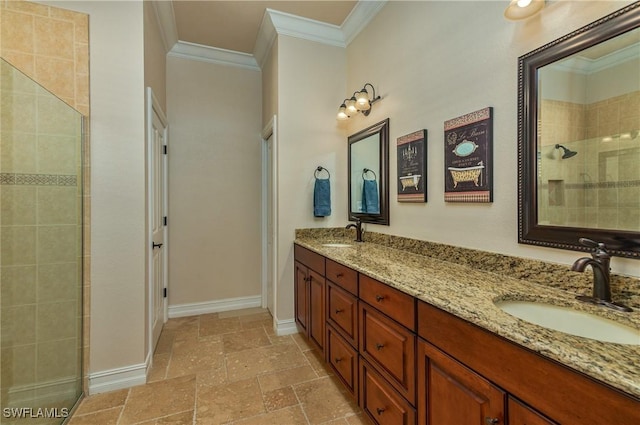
(119, 378)
(183, 310)
(285, 327)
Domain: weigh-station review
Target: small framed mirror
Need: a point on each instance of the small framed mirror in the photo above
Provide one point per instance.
(579, 138)
(369, 174)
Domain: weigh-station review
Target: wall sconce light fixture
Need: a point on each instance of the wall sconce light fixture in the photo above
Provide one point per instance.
(360, 101)
(522, 9)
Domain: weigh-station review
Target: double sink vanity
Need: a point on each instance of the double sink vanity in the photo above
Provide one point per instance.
(418, 334)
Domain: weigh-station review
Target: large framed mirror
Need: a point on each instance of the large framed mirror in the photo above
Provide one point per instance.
(579, 138)
(369, 174)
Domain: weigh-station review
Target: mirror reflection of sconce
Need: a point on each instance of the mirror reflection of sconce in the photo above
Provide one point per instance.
(523, 9)
(360, 101)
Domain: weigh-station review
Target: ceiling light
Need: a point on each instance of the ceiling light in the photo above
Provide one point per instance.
(522, 9)
(360, 101)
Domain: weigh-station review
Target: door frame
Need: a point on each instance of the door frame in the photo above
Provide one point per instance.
(154, 107)
(269, 133)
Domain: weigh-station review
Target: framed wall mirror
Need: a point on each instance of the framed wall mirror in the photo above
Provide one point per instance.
(579, 138)
(369, 174)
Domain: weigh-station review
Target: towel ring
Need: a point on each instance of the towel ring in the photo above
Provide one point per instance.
(367, 170)
(318, 170)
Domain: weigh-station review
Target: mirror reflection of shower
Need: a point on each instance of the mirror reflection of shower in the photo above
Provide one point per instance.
(568, 153)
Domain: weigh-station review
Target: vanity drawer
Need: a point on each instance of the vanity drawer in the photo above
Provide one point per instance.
(389, 300)
(309, 258)
(343, 358)
(391, 348)
(380, 401)
(342, 275)
(342, 312)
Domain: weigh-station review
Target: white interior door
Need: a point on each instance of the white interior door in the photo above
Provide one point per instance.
(157, 186)
(269, 217)
(270, 227)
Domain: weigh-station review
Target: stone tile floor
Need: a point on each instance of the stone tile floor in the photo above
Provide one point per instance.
(228, 368)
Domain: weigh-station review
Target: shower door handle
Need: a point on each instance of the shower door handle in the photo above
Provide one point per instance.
(155, 245)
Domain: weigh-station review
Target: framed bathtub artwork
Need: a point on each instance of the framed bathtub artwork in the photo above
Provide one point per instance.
(468, 157)
(412, 167)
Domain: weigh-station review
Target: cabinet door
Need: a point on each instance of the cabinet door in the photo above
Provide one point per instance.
(342, 312)
(450, 393)
(344, 360)
(520, 414)
(301, 295)
(316, 309)
(389, 347)
(381, 402)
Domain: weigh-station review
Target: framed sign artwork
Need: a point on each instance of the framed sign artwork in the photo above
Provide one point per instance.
(468, 157)
(412, 167)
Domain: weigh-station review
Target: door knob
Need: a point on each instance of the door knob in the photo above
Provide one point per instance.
(156, 245)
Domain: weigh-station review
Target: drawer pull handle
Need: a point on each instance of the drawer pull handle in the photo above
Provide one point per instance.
(379, 347)
(491, 421)
(307, 279)
(339, 310)
(379, 298)
(380, 410)
(338, 360)
(339, 274)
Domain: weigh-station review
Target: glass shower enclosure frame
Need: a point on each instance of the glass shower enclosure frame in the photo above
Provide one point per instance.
(41, 252)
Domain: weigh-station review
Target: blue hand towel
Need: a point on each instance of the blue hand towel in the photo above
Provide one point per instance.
(370, 202)
(322, 198)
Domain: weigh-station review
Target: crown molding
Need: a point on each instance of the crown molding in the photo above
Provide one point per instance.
(306, 29)
(582, 65)
(274, 23)
(265, 39)
(361, 14)
(198, 52)
(167, 23)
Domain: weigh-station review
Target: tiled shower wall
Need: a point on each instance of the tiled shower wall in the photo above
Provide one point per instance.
(51, 46)
(600, 186)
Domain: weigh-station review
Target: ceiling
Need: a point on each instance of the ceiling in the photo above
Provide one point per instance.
(234, 25)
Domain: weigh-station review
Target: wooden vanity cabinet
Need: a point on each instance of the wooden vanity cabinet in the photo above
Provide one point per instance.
(309, 294)
(389, 347)
(552, 389)
(450, 393)
(520, 414)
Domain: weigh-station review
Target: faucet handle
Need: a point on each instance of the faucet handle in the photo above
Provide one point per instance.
(600, 249)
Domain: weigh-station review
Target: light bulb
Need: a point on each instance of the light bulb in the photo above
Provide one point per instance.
(351, 105)
(362, 100)
(523, 3)
(342, 113)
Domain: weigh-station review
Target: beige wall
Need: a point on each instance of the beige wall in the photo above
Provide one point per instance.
(270, 85)
(215, 181)
(118, 243)
(458, 57)
(311, 85)
(155, 56)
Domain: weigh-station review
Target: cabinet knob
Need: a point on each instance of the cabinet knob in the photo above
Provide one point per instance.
(379, 298)
(379, 346)
(491, 421)
(338, 310)
(339, 274)
(380, 410)
(337, 360)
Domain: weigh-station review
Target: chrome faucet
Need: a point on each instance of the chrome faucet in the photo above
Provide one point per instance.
(599, 263)
(358, 227)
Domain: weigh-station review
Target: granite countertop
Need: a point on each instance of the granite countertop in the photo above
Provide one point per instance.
(470, 294)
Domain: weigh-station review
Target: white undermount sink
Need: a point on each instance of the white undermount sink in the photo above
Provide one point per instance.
(571, 321)
(337, 245)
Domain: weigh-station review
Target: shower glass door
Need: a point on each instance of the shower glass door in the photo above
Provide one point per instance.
(40, 252)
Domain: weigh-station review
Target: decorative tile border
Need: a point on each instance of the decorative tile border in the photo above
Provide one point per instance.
(598, 185)
(38, 179)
